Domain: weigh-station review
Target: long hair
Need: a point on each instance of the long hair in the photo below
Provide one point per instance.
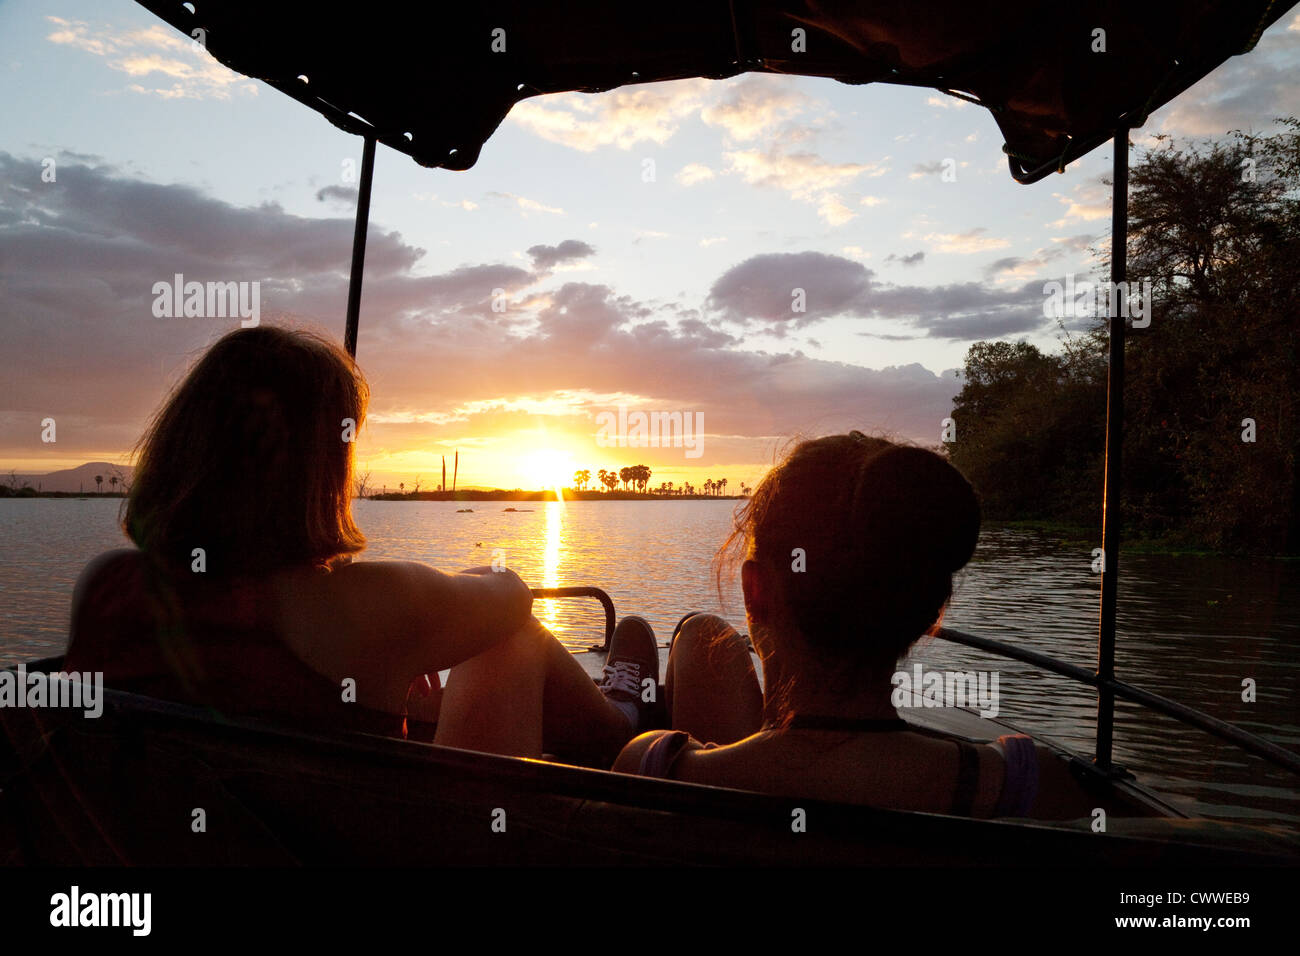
(250, 459)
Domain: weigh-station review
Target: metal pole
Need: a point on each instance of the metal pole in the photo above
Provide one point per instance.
(359, 246)
(1110, 520)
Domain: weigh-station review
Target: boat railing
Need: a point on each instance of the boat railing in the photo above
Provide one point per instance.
(1252, 743)
(597, 593)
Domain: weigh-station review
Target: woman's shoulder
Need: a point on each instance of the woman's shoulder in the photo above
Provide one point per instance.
(114, 568)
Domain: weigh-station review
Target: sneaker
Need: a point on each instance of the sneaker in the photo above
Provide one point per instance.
(633, 657)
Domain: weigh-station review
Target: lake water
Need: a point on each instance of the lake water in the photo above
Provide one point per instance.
(1190, 628)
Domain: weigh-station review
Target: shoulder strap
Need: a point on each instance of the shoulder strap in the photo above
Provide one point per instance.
(1020, 781)
(968, 778)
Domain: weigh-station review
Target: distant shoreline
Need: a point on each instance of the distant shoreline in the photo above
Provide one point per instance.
(497, 494)
(472, 494)
(33, 493)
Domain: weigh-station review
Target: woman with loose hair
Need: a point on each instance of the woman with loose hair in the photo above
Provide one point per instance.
(847, 551)
(242, 595)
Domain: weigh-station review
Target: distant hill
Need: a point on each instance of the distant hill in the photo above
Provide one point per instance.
(79, 479)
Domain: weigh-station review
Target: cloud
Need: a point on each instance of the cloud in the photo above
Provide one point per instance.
(926, 169)
(546, 257)
(965, 243)
(693, 173)
(947, 102)
(187, 69)
(527, 205)
(766, 289)
(806, 176)
(748, 107)
(915, 259)
(346, 195)
(1086, 202)
(649, 112)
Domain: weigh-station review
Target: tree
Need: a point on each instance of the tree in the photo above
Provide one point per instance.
(99, 483)
(1212, 395)
(580, 478)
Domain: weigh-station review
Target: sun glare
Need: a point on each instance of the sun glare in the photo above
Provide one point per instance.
(549, 469)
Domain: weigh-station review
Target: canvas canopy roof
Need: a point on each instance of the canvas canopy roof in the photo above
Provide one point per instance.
(434, 79)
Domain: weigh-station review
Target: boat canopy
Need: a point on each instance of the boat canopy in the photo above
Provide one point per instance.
(435, 80)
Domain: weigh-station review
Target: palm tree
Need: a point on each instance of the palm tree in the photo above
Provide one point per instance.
(722, 486)
(580, 478)
(625, 475)
(401, 486)
(99, 483)
(113, 481)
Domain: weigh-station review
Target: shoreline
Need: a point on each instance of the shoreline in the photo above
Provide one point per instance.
(497, 494)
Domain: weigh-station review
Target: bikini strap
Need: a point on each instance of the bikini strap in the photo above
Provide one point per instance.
(659, 756)
(968, 778)
(857, 725)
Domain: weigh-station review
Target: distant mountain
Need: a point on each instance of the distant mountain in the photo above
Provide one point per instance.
(81, 478)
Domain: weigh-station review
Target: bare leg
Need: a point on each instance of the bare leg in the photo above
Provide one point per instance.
(711, 688)
(526, 693)
(579, 722)
(493, 701)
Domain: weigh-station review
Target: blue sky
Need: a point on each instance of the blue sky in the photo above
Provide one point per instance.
(621, 289)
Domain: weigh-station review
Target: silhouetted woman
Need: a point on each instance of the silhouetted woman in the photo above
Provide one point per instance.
(241, 594)
(849, 547)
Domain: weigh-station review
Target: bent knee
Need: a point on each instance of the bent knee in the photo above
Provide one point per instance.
(703, 632)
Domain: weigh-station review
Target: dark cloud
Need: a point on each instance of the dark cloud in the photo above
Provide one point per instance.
(915, 259)
(546, 257)
(766, 287)
(761, 289)
(928, 169)
(341, 194)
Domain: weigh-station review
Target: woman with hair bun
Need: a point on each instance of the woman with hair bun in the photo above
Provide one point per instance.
(847, 551)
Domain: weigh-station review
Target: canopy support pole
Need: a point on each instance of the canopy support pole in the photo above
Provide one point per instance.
(359, 246)
(1110, 520)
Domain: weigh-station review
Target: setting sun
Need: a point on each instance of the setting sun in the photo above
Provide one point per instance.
(548, 468)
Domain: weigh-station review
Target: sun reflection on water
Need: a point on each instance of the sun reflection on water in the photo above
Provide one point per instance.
(548, 611)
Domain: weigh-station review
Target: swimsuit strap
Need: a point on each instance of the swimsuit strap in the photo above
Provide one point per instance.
(858, 725)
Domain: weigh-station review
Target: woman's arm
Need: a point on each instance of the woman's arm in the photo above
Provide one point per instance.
(403, 618)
